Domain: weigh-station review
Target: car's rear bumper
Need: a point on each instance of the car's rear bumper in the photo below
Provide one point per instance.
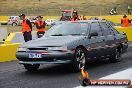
(47, 58)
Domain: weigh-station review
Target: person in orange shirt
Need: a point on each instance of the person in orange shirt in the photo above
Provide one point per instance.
(26, 28)
(74, 16)
(125, 21)
(40, 25)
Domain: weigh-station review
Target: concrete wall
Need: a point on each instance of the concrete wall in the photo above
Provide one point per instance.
(8, 52)
(127, 30)
(113, 18)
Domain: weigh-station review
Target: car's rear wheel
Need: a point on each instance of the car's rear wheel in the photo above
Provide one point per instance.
(79, 59)
(31, 68)
(116, 56)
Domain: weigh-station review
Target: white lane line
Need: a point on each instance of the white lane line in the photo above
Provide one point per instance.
(126, 74)
(130, 45)
(101, 87)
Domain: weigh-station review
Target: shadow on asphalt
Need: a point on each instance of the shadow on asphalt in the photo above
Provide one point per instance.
(62, 69)
(96, 69)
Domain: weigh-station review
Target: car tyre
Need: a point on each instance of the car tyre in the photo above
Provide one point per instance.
(14, 24)
(79, 60)
(116, 57)
(31, 68)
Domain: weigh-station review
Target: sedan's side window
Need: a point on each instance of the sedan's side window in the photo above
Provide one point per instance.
(113, 29)
(106, 29)
(95, 27)
(84, 28)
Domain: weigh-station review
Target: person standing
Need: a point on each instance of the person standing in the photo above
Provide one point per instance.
(125, 21)
(40, 25)
(75, 16)
(129, 10)
(26, 28)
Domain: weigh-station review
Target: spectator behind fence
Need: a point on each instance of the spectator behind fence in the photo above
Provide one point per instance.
(129, 10)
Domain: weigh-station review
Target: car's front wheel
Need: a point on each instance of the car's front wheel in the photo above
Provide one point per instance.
(30, 67)
(79, 59)
(14, 24)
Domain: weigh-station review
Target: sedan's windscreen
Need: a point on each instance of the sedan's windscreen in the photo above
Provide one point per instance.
(68, 29)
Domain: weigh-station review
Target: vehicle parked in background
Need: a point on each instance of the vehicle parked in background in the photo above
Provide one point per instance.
(14, 20)
(75, 43)
(50, 22)
(66, 15)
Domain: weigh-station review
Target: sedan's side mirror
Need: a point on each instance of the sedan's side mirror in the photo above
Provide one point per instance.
(93, 34)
